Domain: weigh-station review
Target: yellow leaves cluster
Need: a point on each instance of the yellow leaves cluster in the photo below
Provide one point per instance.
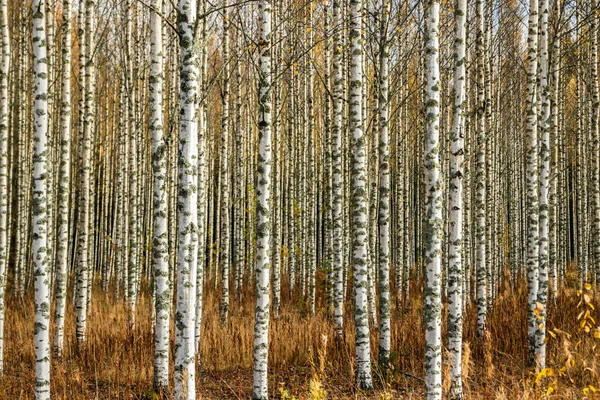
(590, 391)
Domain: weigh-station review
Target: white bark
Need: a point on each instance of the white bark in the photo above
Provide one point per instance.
(532, 176)
(62, 242)
(263, 212)
(160, 239)
(432, 302)
(187, 205)
(544, 182)
(384, 191)
(336, 164)
(455, 204)
(84, 178)
(360, 203)
(4, 69)
(41, 261)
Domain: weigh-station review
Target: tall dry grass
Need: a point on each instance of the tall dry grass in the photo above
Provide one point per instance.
(304, 356)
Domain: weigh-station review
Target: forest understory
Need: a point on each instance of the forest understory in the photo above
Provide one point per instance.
(305, 359)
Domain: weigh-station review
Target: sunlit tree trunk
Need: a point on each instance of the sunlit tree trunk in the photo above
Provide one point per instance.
(455, 204)
(360, 201)
(160, 238)
(432, 302)
(202, 173)
(62, 242)
(532, 177)
(41, 261)
(263, 211)
(554, 172)
(4, 167)
(384, 190)
(595, 138)
(544, 181)
(336, 164)
(187, 205)
(85, 179)
(480, 174)
(224, 170)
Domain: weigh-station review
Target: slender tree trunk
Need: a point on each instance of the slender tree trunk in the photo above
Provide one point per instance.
(455, 206)
(62, 242)
(384, 191)
(544, 181)
(336, 163)
(360, 203)
(160, 233)
(432, 302)
(4, 167)
(187, 200)
(263, 211)
(532, 177)
(224, 171)
(39, 205)
(480, 184)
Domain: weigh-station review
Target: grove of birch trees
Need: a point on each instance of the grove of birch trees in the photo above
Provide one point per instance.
(351, 160)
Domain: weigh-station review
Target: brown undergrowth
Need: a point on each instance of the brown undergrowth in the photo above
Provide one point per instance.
(305, 359)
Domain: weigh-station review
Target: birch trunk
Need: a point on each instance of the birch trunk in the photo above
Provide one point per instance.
(160, 233)
(62, 241)
(263, 212)
(544, 181)
(432, 302)
(187, 205)
(4, 167)
(336, 164)
(455, 204)
(532, 177)
(360, 201)
(41, 261)
(384, 191)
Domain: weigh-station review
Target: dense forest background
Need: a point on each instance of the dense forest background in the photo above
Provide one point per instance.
(319, 199)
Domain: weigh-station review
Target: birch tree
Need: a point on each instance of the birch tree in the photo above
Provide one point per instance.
(41, 261)
(532, 177)
(432, 302)
(384, 191)
(263, 210)
(360, 204)
(544, 182)
(62, 242)
(455, 206)
(187, 205)
(84, 177)
(160, 240)
(336, 163)
(4, 117)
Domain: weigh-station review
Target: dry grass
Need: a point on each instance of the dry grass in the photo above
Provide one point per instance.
(305, 359)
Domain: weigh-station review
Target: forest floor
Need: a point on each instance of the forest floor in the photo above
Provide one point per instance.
(305, 361)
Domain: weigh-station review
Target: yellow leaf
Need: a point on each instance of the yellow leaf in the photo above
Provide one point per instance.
(587, 286)
(552, 334)
(549, 391)
(587, 298)
(596, 334)
(541, 374)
